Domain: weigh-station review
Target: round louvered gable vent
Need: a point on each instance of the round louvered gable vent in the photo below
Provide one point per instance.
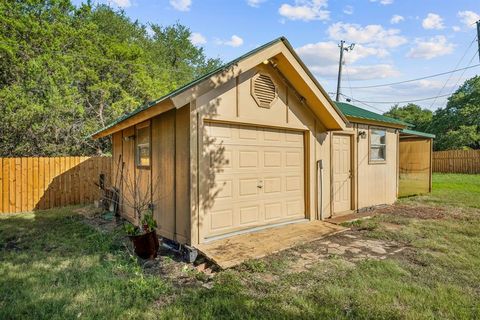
(264, 90)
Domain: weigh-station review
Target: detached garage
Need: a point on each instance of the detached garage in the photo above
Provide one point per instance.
(256, 143)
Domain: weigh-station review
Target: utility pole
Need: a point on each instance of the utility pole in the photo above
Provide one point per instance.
(340, 64)
(478, 38)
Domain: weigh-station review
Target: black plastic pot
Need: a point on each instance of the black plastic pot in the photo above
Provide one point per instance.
(146, 245)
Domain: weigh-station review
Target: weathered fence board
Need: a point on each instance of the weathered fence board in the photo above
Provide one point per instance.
(456, 161)
(37, 183)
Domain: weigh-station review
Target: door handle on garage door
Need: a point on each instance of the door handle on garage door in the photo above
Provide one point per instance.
(260, 184)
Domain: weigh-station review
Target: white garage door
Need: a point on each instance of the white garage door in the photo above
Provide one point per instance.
(252, 177)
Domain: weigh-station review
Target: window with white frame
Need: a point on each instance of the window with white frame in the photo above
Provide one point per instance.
(378, 145)
(143, 145)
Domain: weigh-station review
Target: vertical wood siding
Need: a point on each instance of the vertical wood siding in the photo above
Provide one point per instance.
(38, 183)
(456, 161)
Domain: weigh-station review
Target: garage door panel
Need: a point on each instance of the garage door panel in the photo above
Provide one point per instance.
(272, 159)
(220, 132)
(294, 208)
(248, 187)
(262, 181)
(294, 138)
(272, 135)
(272, 185)
(249, 214)
(293, 183)
(273, 211)
(247, 133)
(224, 189)
(221, 219)
(294, 159)
(248, 158)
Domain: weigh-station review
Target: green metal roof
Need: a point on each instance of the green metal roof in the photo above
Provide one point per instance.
(350, 110)
(188, 85)
(418, 133)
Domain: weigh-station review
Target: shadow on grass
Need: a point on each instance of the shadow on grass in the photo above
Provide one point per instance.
(52, 265)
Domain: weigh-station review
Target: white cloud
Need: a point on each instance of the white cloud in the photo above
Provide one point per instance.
(433, 21)
(372, 34)
(305, 10)
(384, 2)
(255, 3)
(468, 18)
(396, 19)
(428, 49)
(348, 10)
(121, 3)
(322, 59)
(197, 38)
(235, 41)
(327, 53)
(181, 5)
(456, 28)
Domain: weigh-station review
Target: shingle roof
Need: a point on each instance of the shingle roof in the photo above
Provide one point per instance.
(418, 133)
(350, 110)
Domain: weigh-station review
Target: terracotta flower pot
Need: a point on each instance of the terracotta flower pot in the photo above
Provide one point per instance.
(146, 245)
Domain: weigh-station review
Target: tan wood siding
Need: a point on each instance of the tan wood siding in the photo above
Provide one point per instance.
(182, 174)
(377, 182)
(128, 179)
(163, 172)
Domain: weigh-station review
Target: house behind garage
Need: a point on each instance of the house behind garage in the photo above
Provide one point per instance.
(256, 143)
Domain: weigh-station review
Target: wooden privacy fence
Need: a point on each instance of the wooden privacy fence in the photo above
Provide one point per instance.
(456, 161)
(28, 184)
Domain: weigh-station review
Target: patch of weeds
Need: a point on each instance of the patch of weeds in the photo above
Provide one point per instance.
(253, 265)
(362, 225)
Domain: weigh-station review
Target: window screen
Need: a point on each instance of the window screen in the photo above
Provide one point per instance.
(378, 145)
(143, 146)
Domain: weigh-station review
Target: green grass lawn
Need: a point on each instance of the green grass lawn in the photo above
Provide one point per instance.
(53, 265)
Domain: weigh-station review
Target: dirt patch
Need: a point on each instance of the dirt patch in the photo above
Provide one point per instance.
(416, 212)
(391, 226)
(96, 218)
(352, 246)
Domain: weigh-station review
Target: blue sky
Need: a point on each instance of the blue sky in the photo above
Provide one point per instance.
(395, 39)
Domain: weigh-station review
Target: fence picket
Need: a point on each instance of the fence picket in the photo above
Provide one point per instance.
(42, 183)
(456, 161)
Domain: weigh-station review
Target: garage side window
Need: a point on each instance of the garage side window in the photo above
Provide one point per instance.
(143, 146)
(378, 145)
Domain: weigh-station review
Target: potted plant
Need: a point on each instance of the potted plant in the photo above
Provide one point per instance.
(144, 238)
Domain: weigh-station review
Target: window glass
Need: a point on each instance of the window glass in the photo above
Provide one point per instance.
(378, 145)
(143, 146)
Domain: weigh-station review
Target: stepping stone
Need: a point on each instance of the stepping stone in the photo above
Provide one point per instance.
(354, 250)
(378, 250)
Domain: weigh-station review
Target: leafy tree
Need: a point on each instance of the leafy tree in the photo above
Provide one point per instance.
(458, 124)
(413, 114)
(66, 71)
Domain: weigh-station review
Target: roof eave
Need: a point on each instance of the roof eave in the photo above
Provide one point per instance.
(308, 72)
(376, 122)
(142, 115)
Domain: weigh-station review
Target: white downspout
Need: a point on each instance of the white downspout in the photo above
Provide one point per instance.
(320, 188)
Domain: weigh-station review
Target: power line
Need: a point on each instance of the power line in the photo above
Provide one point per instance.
(395, 102)
(425, 77)
(459, 78)
(458, 63)
(417, 79)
